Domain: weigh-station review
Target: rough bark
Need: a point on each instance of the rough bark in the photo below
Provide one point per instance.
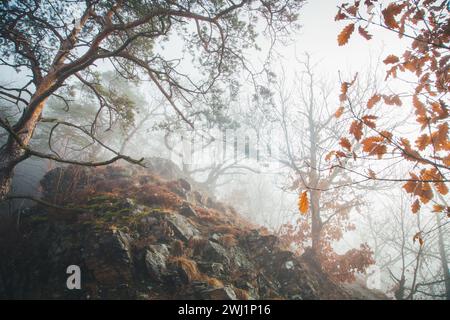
(444, 261)
(14, 151)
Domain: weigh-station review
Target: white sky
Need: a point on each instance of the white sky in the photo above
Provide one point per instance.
(318, 36)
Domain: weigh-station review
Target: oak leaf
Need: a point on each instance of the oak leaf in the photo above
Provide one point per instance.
(356, 129)
(303, 203)
(373, 101)
(415, 207)
(339, 112)
(345, 34)
(390, 59)
(345, 143)
(363, 32)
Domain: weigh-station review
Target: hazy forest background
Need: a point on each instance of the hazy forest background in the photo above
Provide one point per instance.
(324, 121)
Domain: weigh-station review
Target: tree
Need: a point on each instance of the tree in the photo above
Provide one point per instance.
(308, 130)
(56, 42)
(426, 61)
(207, 163)
(77, 105)
(407, 270)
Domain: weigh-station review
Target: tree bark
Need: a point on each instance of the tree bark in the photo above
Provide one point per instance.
(444, 261)
(14, 151)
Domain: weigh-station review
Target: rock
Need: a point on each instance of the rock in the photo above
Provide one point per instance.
(184, 184)
(128, 257)
(181, 225)
(289, 264)
(187, 210)
(216, 253)
(225, 293)
(215, 269)
(106, 263)
(155, 261)
(63, 180)
(197, 198)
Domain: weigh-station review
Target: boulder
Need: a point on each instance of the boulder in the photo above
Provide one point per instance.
(187, 210)
(181, 226)
(155, 261)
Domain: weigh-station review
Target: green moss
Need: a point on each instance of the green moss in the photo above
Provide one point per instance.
(39, 218)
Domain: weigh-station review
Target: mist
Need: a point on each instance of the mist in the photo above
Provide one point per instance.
(264, 137)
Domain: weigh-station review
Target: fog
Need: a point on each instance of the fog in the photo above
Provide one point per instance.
(254, 149)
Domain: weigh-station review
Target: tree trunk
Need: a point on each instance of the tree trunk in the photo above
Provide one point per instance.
(6, 174)
(316, 223)
(13, 153)
(444, 261)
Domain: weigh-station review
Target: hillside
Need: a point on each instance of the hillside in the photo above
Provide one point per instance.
(147, 234)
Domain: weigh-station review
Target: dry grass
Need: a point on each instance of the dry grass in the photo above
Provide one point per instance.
(196, 244)
(189, 267)
(228, 240)
(152, 195)
(226, 229)
(143, 242)
(241, 294)
(213, 282)
(177, 248)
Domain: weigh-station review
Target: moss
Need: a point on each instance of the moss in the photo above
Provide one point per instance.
(39, 218)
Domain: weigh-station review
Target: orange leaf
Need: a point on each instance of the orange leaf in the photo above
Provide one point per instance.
(391, 59)
(389, 15)
(345, 34)
(418, 236)
(423, 141)
(438, 208)
(373, 101)
(446, 160)
(373, 146)
(410, 66)
(363, 32)
(415, 206)
(425, 193)
(386, 134)
(392, 100)
(339, 112)
(340, 16)
(329, 155)
(345, 143)
(421, 111)
(410, 186)
(441, 187)
(356, 129)
(368, 121)
(303, 203)
(340, 154)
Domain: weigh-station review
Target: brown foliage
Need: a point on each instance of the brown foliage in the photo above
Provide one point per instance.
(428, 60)
(345, 34)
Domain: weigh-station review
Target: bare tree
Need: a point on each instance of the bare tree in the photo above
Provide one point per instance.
(410, 250)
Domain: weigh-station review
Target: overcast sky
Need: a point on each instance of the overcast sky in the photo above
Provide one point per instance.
(319, 37)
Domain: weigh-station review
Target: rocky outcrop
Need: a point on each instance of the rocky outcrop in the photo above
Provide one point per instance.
(135, 235)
